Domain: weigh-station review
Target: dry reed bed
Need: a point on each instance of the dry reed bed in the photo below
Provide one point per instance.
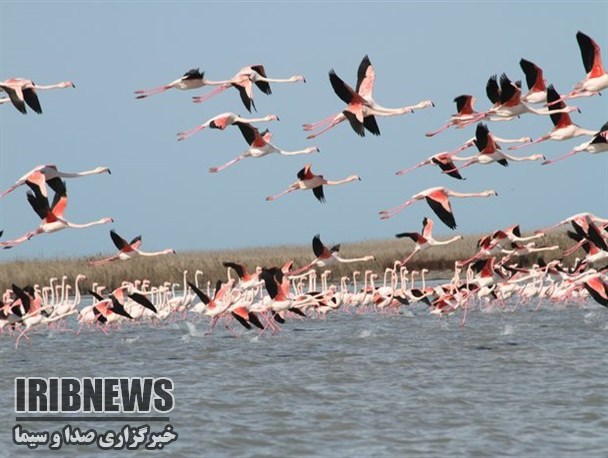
(439, 260)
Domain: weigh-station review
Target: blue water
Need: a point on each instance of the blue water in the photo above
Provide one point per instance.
(528, 382)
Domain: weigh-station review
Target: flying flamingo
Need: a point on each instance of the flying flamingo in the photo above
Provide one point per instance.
(47, 172)
(52, 219)
(259, 146)
(425, 240)
(489, 151)
(507, 103)
(222, 121)
(21, 91)
(597, 78)
(128, 250)
(437, 198)
(361, 107)
(192, 79)
(308, 180)
(326, 256)
(464, 112)
(443, 160)
(564, 128)
(244, 80)
(537, 91)
(598, 144)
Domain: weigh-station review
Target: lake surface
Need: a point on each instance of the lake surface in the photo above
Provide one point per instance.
(528, 382)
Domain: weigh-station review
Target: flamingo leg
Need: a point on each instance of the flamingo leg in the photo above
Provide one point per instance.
(333, 124)
(315, 125)
(466, 164)
(189, 133)
(208, 95)
(287, 191)
(386, 214)
(226, 165)
(143, 93)
(404, 171)
(441, 129)
(538, 140)
(571, 153)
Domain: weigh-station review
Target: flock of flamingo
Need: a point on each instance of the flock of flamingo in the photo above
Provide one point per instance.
(267, 297)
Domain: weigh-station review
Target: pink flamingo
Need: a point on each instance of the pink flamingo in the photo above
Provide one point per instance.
(361, 107)
(43, 173)
(564, 128)
(308, 180)
(52, 219)
(128, 250)
(598, 144)
(597, 78)
(244, 80)
(21, 91)
(259, 146)
(464, 112)
(443, 160)
(326, 256)
(437, 198)
(537, 91)
(222, 121)
(425, 240)
(489, 151)
(192, 79)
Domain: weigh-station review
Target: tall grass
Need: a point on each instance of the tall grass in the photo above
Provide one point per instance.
(170, 268)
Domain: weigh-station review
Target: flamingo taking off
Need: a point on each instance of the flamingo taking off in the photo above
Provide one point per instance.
(192, 79)
(222, 121)
(326, 256)
(244, 80)
(21, 91)
(437, 198)
(361, 107)
(308, 180)
(47, 172)
(51, 216)
(128, 250)
(425, 240)
(259, 146)
(598, 144)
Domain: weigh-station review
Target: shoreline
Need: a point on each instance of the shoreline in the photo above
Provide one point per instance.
(170, 268)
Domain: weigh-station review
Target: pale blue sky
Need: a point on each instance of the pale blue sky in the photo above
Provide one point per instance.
(161, 188)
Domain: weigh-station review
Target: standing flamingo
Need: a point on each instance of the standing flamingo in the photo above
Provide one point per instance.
(244, 80)
(537, 91)
(598, 144)
(437, 198)
(47, 172)
(222, 121)
(361, 107)
(52, 219)
(21, 91)
(259, 146)
(128, 250)
(425, 240)
(192, 79)
(564, 128)
(308, 180)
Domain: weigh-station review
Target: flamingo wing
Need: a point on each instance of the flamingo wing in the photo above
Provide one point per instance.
(357, 125)
(481, 136)
(589, 49)
(30, 97)
(39, 203)
(118, 241)
(448, 167)
(262, 85)
(342, 90)
(415, 236)
(427, 227)
(245, 93)
(318, 248)
(193, 74)
(464, 104)
(240, 270)
(493, 90)
(534, 74)
(365, 78)
(305, 173)
(13, 95)
(319, 194)
(440, 204)
(251, 134)
(369, 122)
(201, 295)
(509, 92)
(555, 102)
